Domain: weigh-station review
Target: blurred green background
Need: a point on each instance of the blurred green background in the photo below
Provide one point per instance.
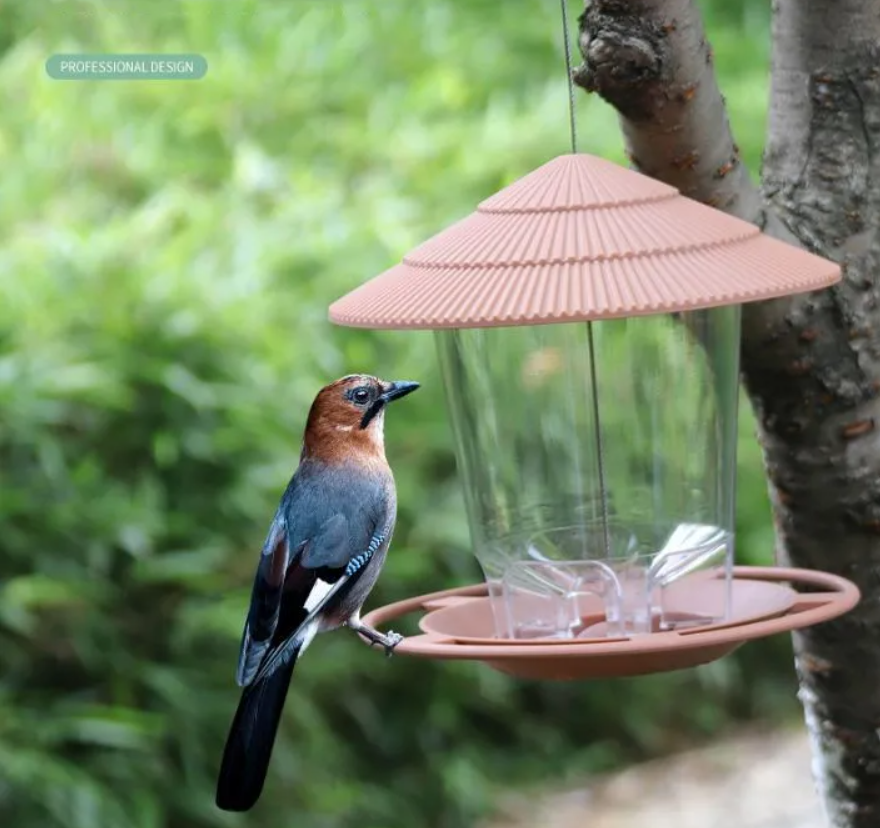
(169, 252)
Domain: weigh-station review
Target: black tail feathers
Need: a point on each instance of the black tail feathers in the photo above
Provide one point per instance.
(250, 741)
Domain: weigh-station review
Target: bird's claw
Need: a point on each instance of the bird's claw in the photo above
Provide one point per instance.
(388, 641)
(393, 639)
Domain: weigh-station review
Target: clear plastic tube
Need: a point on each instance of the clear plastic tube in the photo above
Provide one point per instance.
(553, 539)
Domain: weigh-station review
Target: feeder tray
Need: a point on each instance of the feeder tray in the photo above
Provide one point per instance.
(458, 625)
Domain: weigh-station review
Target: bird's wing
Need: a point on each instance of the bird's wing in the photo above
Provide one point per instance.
(321, 538)
(265, 606)
(321, 595)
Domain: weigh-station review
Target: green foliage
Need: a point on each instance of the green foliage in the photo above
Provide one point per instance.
(170, 251)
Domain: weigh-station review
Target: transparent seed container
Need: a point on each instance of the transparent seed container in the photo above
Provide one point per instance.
(598, 463)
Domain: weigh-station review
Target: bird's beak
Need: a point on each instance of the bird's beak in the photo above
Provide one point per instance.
(396, 390)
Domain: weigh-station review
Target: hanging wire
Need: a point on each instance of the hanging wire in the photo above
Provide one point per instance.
(591, 348)
(566, 42)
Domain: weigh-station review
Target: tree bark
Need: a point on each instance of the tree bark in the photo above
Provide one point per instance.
(811, 363)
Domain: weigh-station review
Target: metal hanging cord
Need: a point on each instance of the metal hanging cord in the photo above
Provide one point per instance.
(591, 348)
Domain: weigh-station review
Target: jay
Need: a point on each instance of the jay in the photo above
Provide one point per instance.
(322, 556)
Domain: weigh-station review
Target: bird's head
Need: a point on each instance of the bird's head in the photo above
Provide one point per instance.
(350, 413)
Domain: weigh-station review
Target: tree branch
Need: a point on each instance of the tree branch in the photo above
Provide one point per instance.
(811, 364)
(651, 61)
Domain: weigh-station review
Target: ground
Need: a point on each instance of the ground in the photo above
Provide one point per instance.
(753, 780)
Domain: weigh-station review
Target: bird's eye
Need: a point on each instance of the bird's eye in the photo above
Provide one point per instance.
(360, 395)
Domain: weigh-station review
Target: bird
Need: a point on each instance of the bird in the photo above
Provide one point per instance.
(321, 558)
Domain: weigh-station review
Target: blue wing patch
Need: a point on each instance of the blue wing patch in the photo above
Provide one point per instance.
(358, 562)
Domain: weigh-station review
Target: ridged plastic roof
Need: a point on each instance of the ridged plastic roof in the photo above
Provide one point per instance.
(581, 238)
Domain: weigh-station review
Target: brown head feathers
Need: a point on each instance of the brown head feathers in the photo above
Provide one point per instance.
(347, 418)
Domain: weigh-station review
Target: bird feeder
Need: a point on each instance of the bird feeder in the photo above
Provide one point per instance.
(587, 322)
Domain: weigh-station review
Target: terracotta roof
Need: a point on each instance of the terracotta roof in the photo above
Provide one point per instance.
(581, 238)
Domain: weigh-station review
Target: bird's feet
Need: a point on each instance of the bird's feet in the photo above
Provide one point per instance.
(392, 639)
(387, 640)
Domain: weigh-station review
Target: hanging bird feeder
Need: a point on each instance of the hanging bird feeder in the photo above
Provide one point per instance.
(587, 322)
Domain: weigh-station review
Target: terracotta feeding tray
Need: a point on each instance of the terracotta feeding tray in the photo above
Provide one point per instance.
(457, 624)
(587, 321)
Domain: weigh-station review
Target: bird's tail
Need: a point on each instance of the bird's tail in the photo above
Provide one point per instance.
(251, 737)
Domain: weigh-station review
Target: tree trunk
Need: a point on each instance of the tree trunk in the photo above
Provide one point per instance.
(811, 363)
